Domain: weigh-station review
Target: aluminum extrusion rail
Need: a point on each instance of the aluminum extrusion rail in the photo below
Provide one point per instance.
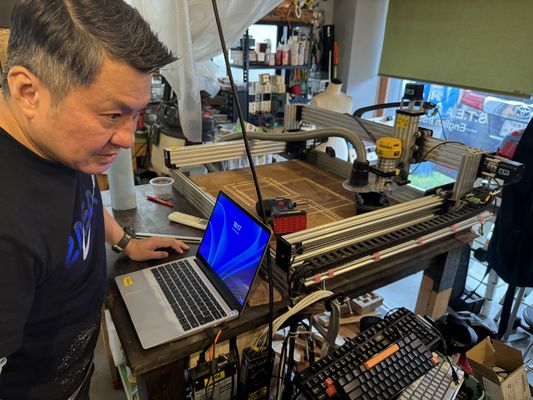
(450, 155)
(313, 278)
(294, 247)
(186, 156)
(200, 199)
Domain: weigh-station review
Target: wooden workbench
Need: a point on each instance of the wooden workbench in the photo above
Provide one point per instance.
(159, 370)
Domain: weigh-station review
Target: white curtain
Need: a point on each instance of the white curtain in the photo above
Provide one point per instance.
(189, 29)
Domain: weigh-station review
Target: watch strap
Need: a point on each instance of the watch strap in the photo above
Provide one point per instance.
(129, 234)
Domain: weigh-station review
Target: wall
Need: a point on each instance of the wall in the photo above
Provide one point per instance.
(359, 29)
(327, 7)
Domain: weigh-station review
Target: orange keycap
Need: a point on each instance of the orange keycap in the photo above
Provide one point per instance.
(389, 351)
(331, 391)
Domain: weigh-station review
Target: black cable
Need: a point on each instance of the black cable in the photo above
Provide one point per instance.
(393, 322)
(256, 183)
(433, 148)
(281, 366)
(360, 111)
(201, 359)
(442, 125)
(431, 324)
(472, 292)
(212, 371)
(357, 114)
(370, 135)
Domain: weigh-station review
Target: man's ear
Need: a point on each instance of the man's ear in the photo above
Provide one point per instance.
(25, 89)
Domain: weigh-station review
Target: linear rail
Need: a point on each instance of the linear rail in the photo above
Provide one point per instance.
(187, 156)
(294, 247)
(366, 250)
(394, 250)
(450, 155)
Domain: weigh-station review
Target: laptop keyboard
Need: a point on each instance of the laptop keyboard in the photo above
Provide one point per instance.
(187, 294)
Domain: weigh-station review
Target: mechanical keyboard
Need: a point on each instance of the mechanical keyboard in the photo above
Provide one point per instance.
(376, 365)
(437, 384)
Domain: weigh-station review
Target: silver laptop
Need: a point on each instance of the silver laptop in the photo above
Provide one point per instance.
(182, 297)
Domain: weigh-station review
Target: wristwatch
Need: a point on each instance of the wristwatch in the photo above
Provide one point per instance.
(129, 234)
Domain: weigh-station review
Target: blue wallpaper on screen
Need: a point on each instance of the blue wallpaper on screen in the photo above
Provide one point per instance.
(233, 245)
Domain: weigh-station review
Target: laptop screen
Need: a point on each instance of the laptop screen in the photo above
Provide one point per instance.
(233, 245)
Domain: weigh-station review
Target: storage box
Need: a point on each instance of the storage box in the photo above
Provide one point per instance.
(490, 356)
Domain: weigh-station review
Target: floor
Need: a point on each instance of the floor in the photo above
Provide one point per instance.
(398, 294)
(101, 384)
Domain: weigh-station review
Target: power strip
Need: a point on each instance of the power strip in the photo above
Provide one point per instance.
(189, 220)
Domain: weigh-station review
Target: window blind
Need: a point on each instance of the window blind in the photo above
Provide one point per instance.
(485, 45)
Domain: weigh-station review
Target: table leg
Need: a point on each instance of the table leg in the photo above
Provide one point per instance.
(164, 383)
(115, 378)
(437, 283)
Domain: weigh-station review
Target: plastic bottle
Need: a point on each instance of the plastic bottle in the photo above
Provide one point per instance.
(293, 46)
(286, 54)
(301, 53)
(279, 54)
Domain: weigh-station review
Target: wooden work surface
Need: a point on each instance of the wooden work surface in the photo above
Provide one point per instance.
(317, 192)
(160, 370)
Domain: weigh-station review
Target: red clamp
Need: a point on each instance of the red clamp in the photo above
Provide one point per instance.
(318, 278)
(453, 228)
(331, 273)
(420, 241)
(377, 256)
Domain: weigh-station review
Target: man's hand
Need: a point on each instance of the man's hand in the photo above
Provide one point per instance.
(154, 247)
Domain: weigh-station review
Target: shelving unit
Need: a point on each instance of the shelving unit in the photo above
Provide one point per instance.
(286, 30)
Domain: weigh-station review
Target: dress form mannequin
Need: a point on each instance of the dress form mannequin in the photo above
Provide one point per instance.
(333, 99)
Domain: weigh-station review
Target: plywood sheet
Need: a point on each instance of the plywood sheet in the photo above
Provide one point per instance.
(317, 192)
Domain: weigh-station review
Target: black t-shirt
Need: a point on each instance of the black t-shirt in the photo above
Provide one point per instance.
(52, 274)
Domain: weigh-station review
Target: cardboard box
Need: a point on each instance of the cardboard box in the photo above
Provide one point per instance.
(491, 355)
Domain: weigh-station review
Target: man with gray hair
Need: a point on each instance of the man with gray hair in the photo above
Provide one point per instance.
(78, 75)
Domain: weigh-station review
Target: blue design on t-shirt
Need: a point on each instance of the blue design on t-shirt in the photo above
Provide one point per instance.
(80, 241)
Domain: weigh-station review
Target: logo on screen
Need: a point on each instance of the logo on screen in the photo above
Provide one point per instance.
(236, 227)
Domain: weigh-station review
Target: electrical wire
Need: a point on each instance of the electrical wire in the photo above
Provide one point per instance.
(212, 350)
(283, 358)
(441, 124)
(302, 304)
(281, 366)
(370, 135)
(256, 181)
(212, 368)
(472, 292)
(424, 158)
(431, 324)
(400, 336)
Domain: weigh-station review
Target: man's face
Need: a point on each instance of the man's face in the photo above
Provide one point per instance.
(91, 124)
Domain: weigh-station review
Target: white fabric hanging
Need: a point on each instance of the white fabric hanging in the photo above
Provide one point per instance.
(188, 28)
